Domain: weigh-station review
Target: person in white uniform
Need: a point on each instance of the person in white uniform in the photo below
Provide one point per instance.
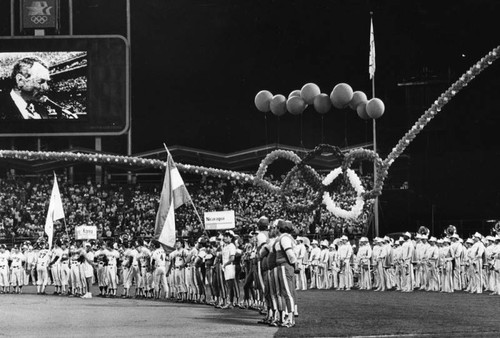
(345, 253)
(364, 258)
(88, 264)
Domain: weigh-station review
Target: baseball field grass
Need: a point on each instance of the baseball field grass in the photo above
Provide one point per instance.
(392, 313)
(322, 313)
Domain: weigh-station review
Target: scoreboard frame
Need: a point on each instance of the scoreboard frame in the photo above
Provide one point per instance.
(99, 122)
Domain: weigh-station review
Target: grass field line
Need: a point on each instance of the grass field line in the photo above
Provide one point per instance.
(454, 334)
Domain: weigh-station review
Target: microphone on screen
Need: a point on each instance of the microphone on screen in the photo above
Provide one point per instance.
(68, 114)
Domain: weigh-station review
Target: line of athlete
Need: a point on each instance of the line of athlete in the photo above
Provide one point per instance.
(208, 272)
(423, 263)
(269, 266)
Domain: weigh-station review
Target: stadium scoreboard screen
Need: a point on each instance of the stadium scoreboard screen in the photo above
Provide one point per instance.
(86, 93)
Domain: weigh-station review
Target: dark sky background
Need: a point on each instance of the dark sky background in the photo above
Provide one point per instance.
(197, 65)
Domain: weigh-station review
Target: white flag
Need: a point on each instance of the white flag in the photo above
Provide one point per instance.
(371, 62)
(55, 212)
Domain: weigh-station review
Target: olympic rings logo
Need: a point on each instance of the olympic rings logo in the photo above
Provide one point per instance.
(39, 19)
(302, 171)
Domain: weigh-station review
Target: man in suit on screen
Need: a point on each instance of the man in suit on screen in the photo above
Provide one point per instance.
(30, 81)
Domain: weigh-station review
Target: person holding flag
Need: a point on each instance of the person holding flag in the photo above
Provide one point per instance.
(55, 211)
(55, 266)
(87, 258)
(173, 195)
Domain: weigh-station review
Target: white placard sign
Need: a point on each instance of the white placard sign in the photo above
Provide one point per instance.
(219, 220)
(86, 232)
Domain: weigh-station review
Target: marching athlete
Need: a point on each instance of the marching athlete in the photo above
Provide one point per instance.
(287, 264)
(249, 268)
(149, 283)
(477, 251)
(29, 264)
(314, 261)
(228, 254)
(268, 283)
(55, 266)
(431, 258)
(457, 254)
(407, 250)
(65, 270)
(42, 264)
(200, 272)
(345, 253)
(262, 238)
(189, 270)
(17, 270)
(144, 258)
(178, 260)
(88, 268)
(159, 262)
(364, 258)
(75, 277)
(101, 258)
(333, 267)
(323, 265)
(130, 271)
(496, 265)
(210, 270)
(111, 269)
(4, 268)
(300, 252)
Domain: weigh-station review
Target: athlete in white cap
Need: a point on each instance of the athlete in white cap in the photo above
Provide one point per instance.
(477, 250)
(345, 253)
(323, 265)
(364, 256)
(407, 250)
(496, 265)
(314, 261)
(17, 270)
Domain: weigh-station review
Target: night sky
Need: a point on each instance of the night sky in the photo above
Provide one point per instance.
(197, 65)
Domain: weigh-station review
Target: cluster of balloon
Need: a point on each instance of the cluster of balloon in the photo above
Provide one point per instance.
(342, 96)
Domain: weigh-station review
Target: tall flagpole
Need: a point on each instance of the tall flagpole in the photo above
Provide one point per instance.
(372, 75)
(190, 199)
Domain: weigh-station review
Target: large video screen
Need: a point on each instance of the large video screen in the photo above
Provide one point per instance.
(56, 86)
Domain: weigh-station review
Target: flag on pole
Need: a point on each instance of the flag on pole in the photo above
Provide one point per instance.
(173, 195)
(55, 212)
(371, 62)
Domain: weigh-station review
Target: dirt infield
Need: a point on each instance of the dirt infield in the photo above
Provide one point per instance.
(30, 315)
(322, 313)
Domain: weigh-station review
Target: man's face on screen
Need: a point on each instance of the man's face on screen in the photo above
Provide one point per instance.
(34, 83)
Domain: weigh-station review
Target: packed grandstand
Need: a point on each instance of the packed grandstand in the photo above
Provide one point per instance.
(125, 212)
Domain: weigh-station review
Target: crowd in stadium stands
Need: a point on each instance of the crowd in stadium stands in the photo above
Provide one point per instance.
(78, 84)
(74, 92)
(76, 64)
(77, 105)
(54, 58)
(129, 211)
